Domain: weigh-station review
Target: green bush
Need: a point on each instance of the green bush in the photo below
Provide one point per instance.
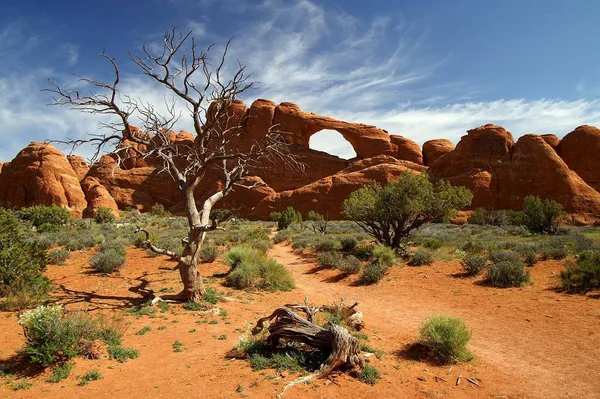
(330, 260)
(58, 256)
(289, 217)
(21, 264)
(326, 244)
(372, 273)
(236, 255)
(159, 210)
(257, 271)
(583, 275)
(60, 372)
(541, 215)
(108, 260)
(489, 217)
(446, 338)
(529, 254)
(74, 245)
(363, 250)
(104, 215)
(314, 216)
(40, 215)
(432, 243)
(507, 273)
(209, 253)
(421, 257)
(348, 243)
(504, 255)
(122, 354)
(350, 265)
(473, 264)
(274, 216)
(383, 255)
(369, 375)
(262, 245)
(556, 252)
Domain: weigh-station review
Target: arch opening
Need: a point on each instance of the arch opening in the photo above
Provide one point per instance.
(331, 142)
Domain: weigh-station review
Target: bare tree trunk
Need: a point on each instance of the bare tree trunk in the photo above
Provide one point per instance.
(193, 286)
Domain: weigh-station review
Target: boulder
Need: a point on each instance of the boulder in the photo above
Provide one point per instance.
(97, 197)
(580, 150)
(407, 149)
(552, 140)
(433, 149)
(41, 175)
(79, 165)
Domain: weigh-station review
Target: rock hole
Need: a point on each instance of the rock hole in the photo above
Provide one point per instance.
(331, 142)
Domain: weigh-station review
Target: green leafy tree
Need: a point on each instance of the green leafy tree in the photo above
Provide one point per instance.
(288, 217)
(541, 215)
(390, 213)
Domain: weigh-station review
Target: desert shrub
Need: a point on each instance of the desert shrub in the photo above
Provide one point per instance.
(262, 245)
(58, 256)
(541, 215)
(507, 273)
(432, 243)
(257, 271)
(350, 265)
(446, 338)
(60, 372)
(584, 275)
(236, 255)
(289, 217)
(314, 216)
(488, 217)
(474, 246)
(159, 210)
(52, 336)
(21, 264)
(92, 375)
(582, 243)
(74, 245)
(390, 213)
(348, 243)
(369, 375)
(372, 273)
(326, 244)
(40, 215)
(363, 250)
(383, 255)
(104, 215)
(473, 264)
(274, 216)
(281, 235)
(108, 260)
(421, 257)
(209, 253)
(504, 255)
(331, 260)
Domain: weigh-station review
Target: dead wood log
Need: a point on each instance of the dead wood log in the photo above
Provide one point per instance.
(153, 248)
(352, 316)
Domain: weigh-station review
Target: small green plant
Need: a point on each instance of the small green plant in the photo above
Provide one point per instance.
(584, 275)
(330, 260)
(473, 264)
(508, 273)
(446, 338)
(104, 215)
(108, 259)
(212, 295)
(350, 265)
(432, 243)
(60, 372)
(92, 375)
(20, 385)
(122, 354)
(255, 270)
(209, 254)
(222, 337)
(385, 256)
(421, 257)
(178, 346)
(259, 362)
(348, 243)
(144, 330)
(504, 256)
(159, 210)
(274, 216)
(370, 349)
(372, 273)
(369, 375)
(58, 256)
(288, 217)
(541, 215)
(194, 306)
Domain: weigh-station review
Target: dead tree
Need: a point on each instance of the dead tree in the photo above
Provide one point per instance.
(220, 147)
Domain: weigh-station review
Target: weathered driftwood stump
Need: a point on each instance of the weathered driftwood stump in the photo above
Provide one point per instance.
(344, 349)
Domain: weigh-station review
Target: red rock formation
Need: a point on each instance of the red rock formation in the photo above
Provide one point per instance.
(97, 197)
(79, 165)
(552, 141)
(327, 195)
(407, 150)
(580, 149)
(41, 175)
(500, 173)
(433, 149)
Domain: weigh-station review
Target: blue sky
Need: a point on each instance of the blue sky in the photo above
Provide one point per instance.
(422, 69)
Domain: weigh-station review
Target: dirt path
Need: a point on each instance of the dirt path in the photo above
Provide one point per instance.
(528, 343)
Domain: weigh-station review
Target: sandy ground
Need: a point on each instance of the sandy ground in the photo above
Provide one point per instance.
(533, 342)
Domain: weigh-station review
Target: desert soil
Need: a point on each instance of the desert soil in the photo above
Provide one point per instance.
(532, 342)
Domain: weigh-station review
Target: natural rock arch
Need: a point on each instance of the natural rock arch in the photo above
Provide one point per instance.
(332, 142)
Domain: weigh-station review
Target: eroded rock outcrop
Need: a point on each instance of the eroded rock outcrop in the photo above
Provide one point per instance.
(79, 165)
(552, 140)
(433, 149)
(97, 197)
(580, 149)
(407, 149)
(41, 175)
